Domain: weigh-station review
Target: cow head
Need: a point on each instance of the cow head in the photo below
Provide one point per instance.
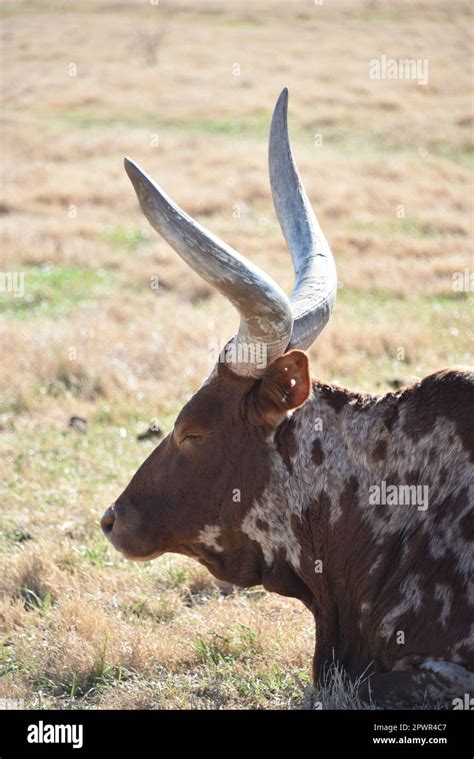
(193, 492)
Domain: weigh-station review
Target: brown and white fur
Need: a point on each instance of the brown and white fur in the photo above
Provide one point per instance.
(263, 495)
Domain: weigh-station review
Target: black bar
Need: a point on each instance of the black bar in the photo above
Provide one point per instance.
(151, 733)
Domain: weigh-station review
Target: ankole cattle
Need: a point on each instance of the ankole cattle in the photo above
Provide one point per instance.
(358, 505)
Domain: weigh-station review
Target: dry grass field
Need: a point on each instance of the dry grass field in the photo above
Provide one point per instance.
(186, 88)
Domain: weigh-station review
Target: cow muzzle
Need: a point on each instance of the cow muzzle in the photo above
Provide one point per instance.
(108, 520)
(124, 529)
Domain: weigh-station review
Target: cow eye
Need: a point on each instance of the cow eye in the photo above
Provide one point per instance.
(190, 438)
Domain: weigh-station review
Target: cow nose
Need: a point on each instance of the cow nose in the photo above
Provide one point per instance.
(107, 521)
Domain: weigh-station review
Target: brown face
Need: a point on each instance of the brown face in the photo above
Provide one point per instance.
(192, 493)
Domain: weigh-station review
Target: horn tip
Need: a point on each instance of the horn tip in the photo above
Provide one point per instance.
(283, 98)
(281, 108)
(130, 166)
(137, 177)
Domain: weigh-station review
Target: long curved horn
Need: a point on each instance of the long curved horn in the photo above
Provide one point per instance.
(314, 293)
(266, 319)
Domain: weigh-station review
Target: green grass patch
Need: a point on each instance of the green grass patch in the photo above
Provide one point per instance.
(96, 553)
(125, 238)
(365, 302)
(447, 317)
(100, 676)
(73, 381)
(462, 154)
(252, 125)
(276, 681)
(13, 404)
(33, 600)
(353, 144)
(387, 229)
(123, 414)
(59, 463)
(55, 290)
(238, 644)
(255, 125)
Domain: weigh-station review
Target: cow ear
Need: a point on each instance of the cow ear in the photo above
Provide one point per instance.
(285, 386)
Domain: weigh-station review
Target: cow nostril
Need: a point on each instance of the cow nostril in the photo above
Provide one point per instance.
(107, 521)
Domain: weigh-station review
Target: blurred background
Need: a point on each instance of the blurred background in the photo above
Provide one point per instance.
(103, 328)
